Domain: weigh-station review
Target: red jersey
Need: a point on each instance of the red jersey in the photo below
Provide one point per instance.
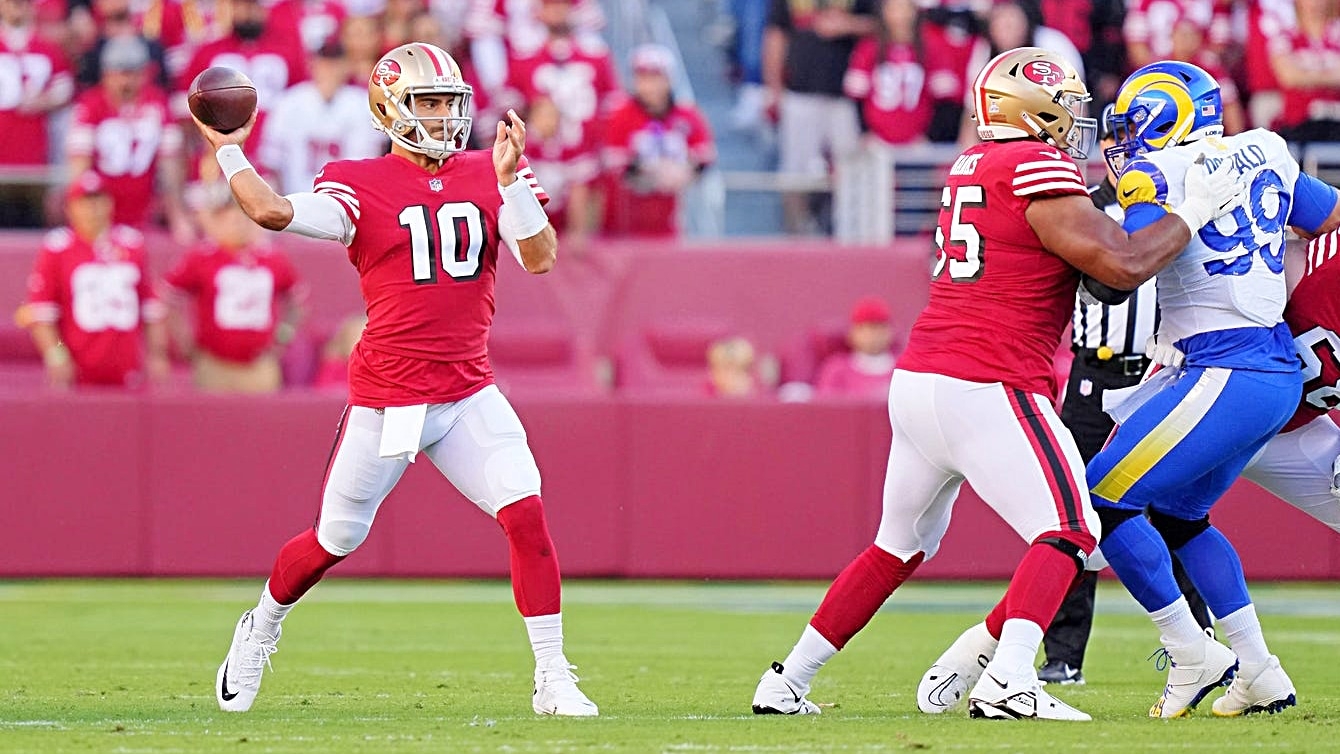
(1151, 22)
(999, 301)
(124, 144)
(577, 76)
(96, 294)
(1267, 20)
(426, 250)
(273, 64)
(948, 50)
(634, 136)
(308, 23)
(565, 166)
(891, 88)
(842, 375)
(236, 295)
(516, 22)
(1322, 54)
(35, 68)
(1313, 314)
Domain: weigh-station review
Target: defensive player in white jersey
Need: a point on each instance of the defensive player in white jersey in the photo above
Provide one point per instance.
(1185, 437)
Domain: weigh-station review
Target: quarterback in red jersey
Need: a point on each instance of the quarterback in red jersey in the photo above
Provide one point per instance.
(91, 300)
(423, 226)
(971, 397)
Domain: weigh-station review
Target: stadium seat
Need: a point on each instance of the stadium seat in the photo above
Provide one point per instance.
(669, 356)
(535, 356)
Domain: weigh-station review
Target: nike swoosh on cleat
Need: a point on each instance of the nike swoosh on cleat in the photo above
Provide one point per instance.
(223, 686)
(1003, 686)
(937, 694)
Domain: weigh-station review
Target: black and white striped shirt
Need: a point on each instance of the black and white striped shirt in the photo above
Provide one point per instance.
(1125, 327)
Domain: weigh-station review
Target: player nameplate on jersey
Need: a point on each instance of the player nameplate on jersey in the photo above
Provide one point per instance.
(435, 184)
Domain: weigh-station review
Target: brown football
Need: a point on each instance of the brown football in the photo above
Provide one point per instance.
(222, 98)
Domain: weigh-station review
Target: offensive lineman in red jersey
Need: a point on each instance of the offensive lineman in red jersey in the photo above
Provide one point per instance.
(424, 226)
(971, 399)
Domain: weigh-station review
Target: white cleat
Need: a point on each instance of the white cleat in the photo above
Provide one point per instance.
(776, 695)
(951, 677)
(556, 691)
(997, 696)
(239, 677)
(1203, 668)
(1262, 688)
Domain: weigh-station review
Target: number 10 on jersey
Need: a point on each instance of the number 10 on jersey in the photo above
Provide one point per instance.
(457, 227)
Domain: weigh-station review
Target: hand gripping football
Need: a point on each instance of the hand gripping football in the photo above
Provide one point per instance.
(222, 98)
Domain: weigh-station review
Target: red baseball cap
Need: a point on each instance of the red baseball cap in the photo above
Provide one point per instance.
(87, 183)
(871, 310)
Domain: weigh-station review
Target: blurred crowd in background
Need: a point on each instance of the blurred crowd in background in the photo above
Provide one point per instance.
(96, 140)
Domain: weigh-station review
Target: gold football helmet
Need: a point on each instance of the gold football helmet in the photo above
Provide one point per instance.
(1031, 92)
(414, 70)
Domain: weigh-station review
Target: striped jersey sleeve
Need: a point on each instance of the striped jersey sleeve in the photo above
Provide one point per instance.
(1048, 173)
(331, 183)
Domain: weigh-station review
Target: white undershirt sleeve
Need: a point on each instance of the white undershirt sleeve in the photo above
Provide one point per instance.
(320, 216)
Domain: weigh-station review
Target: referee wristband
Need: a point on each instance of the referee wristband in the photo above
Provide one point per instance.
(232, 161)
(527, 216)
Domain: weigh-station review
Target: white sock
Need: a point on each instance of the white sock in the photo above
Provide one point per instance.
(809, 654)
(546, 636)
(1018, 649)
(1178, 625)
(269, 614)
(1243, 631)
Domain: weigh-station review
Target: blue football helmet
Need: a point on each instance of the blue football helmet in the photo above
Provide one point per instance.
(1162, 105)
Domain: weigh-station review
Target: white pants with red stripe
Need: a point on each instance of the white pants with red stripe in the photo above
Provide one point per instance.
(1297, 468)
(477, 443)
(1009, 445)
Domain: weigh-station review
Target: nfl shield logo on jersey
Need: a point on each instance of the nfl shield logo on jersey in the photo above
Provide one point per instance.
(435, 184)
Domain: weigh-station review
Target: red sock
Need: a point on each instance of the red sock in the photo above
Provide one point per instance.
(995, 620)
(535, 581)
(301, 563)
(1043, 579)
(859, 591)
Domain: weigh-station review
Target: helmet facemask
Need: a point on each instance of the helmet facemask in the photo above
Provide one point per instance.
(415, 132)
(1083, 133)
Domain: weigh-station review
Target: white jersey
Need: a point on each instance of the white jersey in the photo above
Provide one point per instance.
(1231, 274)
(305, 131)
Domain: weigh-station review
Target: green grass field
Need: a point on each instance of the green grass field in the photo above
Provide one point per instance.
(378, 666)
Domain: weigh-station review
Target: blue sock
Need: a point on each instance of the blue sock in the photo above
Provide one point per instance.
(1214, 567)
(1141, 560)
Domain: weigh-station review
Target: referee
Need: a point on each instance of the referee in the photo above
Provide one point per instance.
(1109, 344)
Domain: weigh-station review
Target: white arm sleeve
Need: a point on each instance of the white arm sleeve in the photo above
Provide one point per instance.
(320, 216)
(507, 231)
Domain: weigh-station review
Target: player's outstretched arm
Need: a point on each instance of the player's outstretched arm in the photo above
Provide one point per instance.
(1073, 229)
(261, 203)
(522, 222)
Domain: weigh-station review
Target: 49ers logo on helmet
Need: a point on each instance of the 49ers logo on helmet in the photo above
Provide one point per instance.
(387, 73)
(1044, 73)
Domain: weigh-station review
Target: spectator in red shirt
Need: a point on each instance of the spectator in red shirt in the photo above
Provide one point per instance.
(887, 75)
(122, 129)
(866, 370)
(655, 148)
(1150, 23)
(245, 294)
(1267, 20)
(309, 23)
(575, 72)
(91, 300)
(570, 170)
(500, 30)
(38, 82)
(1307, 64)
(1189, 44)
(271, 60)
